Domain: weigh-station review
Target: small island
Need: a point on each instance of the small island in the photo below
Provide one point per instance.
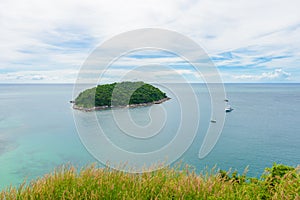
(119, 95)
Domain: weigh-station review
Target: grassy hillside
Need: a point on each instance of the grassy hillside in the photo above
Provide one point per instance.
(279, 182)
(119, 94)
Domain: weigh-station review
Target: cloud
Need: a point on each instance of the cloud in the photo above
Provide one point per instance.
(59, 35)
(276, 75)
(53, 76)
(146, 73)
(252, 57)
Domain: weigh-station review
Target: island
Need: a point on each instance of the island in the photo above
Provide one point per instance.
(119, 95)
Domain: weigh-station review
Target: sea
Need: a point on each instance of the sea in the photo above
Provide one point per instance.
(38, 132)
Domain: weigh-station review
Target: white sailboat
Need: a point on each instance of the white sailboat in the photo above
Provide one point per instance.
(228, 108)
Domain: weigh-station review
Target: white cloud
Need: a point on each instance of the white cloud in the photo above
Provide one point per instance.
(42, 35)
(45, 76)
(276, 75)
(162, 74)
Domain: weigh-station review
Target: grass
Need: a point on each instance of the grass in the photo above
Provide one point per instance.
(66, 182)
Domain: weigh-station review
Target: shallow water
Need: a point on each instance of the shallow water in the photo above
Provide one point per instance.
(37, 131)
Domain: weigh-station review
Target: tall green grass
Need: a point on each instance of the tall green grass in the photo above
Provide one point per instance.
(278, 182)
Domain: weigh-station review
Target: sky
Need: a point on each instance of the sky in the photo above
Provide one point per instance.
(47, 41)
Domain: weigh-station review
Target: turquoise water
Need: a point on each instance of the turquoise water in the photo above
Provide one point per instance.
(37, 131)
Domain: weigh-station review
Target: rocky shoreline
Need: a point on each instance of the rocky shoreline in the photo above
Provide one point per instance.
(110, 107)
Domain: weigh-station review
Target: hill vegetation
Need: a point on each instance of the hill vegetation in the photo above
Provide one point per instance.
(119, 94)
(278, 182)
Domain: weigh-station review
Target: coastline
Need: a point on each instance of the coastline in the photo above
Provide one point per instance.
(97, 108)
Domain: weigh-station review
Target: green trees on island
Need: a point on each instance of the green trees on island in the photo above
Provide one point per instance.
(119, 94)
